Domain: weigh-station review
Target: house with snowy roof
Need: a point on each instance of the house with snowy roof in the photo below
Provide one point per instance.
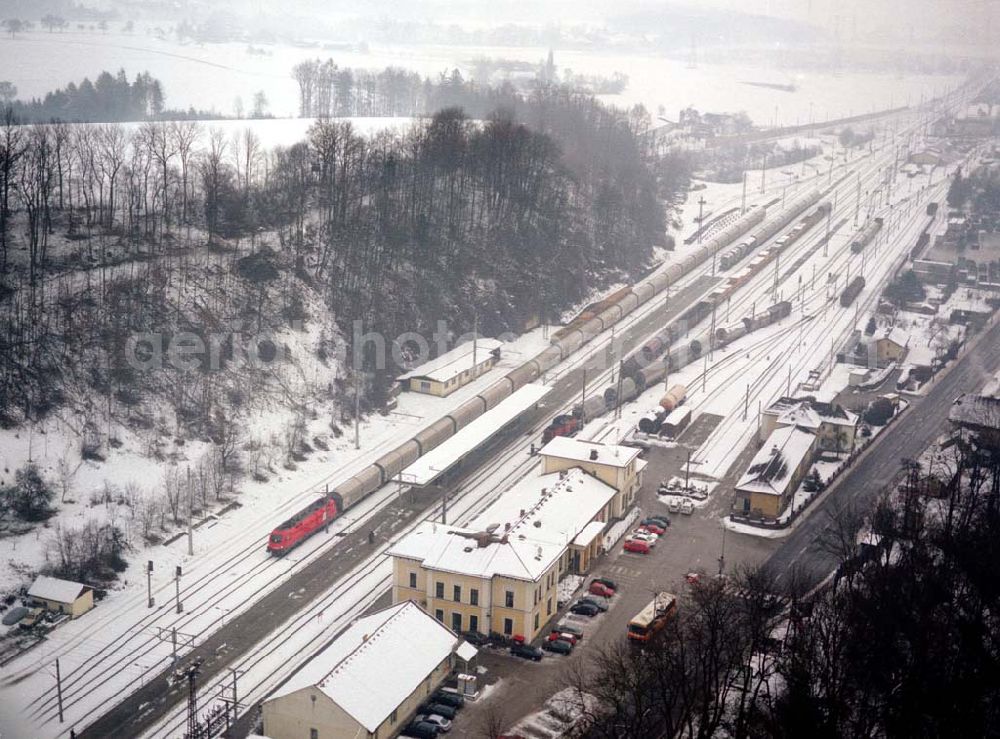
(61, 596)
(368, 682)
(834, 426)
(890, 346)
(767, 486)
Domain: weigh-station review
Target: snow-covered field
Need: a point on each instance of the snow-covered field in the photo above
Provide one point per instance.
(211, 76)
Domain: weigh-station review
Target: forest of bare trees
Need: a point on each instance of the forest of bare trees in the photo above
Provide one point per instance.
(107, 231)
(900, 643)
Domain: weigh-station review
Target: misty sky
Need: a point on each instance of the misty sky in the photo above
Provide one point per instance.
(848, 20)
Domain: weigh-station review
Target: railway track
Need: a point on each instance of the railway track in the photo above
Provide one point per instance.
(78, 681)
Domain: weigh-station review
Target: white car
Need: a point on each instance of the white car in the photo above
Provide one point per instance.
(644, 536)
(687, 506)
(673, 505)
(440, 721)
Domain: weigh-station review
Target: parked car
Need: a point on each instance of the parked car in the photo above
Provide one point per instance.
(421, 730)
(570, 629)
(636, 546)
(687, 506)
(674, 505)
(475, 638)
(452, 700)
(432, 706)
(584, 609)
(661, 521)
(605, 581)
(14, 615)
(35, 616)
(526, 651)
(556, 635)
(599, 588)
(644, 536)
(653, 528)
(443, 724)
(601, 606)
(558, 646)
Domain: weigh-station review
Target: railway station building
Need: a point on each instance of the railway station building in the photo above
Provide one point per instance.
(500, 573)
(767, 487)
(370, 681)
(448, 372)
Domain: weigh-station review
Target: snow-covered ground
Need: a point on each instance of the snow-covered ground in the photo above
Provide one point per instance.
(230, 567)
(229, 560)
(212, 76)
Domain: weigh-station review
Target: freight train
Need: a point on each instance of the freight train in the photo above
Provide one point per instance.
(389, 465)
(656, 346)
(866, 235)
(852, 291)
(636, 377)
(737, 253)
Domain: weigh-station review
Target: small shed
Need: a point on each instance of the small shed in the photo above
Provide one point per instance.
(62, 596)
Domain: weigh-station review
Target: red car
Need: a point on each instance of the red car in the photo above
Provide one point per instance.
(637, 545)
(562, 636)
(599, 588)
(653, 529)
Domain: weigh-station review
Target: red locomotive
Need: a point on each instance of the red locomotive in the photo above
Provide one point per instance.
(304, 524)
(565, 425)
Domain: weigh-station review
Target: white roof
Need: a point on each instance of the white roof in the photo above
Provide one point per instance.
(772, 467)
(802, 416)
(898, 336)
(466, 651)
(52, 588)
(426, 469)
(372, 667)
(578, 450)
(523, 533)
(677, 415)
(590, 532)
(454, 362)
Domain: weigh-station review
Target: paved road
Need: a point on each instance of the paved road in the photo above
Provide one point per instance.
(912, 434)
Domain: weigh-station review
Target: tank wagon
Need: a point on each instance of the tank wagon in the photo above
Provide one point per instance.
(866, 235)
(603, 315)
(792, 211)
(852, 291)
(651, 422)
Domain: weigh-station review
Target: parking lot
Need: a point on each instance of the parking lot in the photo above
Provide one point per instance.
(516, 687)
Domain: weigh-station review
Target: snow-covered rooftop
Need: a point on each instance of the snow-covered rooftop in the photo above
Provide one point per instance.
(372, 667)
(439, 459)
(802, 416)
(976, 410)
(52, 588)
(520, 536)
(578, 450)
(773, 466)
(897, 336)
(454, 362)
(590, 532)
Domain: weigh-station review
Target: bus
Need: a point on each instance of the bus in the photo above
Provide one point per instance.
(651, 619)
